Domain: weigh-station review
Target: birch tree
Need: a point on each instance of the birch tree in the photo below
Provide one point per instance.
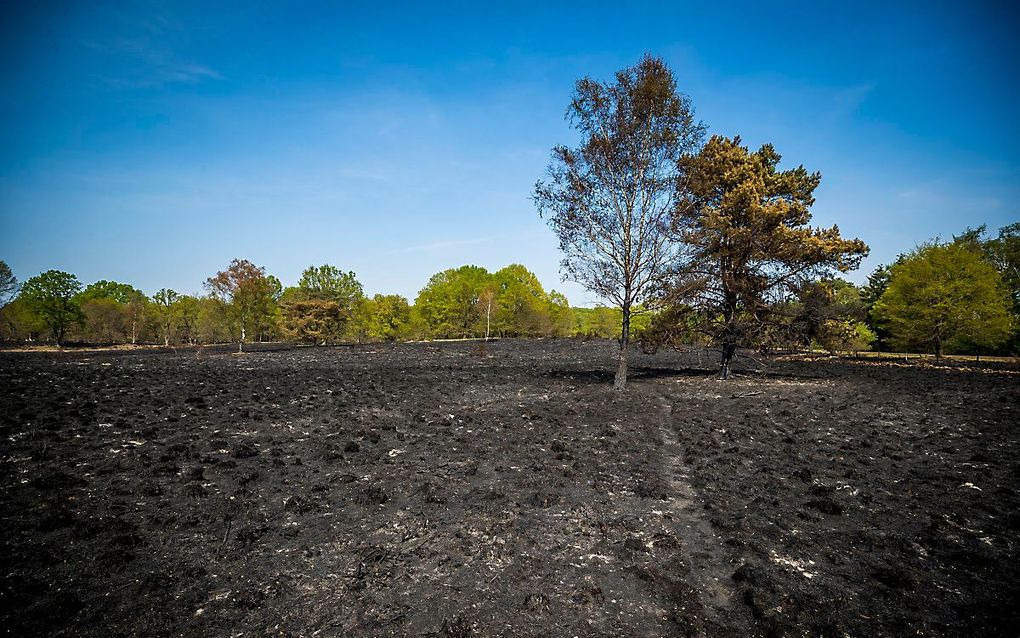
(247, 293)
(610, 200)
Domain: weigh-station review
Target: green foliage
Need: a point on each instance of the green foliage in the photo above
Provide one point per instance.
(390, 318)
(165, 303)
(8, 284)
(610, 199)
(102, 321)
(1004, 253)
(671, 327)
(945, 297)
(19, 323)
(471, 302)
(115, 291)
(522, 307)
(327, 306)
(52, 296)
(605, 323)
(186, 315)
(448, 304)
(837, 336)
(329, 283)
(248, 298)
(826, 313)
(561, 315)
(212, 322)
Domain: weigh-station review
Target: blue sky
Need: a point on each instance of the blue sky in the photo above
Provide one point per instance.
(152, 143)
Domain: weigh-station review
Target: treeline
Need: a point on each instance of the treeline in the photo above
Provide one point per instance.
(944, 297)
(243, 303)
(960, 296)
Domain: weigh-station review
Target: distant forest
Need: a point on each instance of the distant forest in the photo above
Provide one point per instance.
(971, 282)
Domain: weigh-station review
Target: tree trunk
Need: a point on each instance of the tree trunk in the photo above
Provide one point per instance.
(938, 349)
(729, 336)
(621, 369)
(240, 344)
(488, 313)
(728, 350)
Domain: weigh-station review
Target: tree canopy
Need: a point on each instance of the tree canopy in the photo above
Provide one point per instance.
(610, 200)
(943, 296)
(52, 295)
(746, 226)
(329, 283)
(247, 293)
(8, 284)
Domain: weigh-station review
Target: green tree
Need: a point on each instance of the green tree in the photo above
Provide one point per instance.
(521, 305)
(187, 309)
(103, 320)
(878, 281)
(331, 284)
(99, 299)
(247, 294)
(600, 321)
(8, 284)
(338, 311)
(746, 225)
(165, 301)
(561, 315)
(448, 304)
(212, 323)
(829, 313)
(943, 296)
(19, 323)
(52, 296)
(391, 318)
(610, 200)
(114, 290)
(1004, 253)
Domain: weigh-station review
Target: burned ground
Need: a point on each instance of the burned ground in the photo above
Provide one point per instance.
(453, 490)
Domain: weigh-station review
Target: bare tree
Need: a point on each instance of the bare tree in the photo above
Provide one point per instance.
(610, 201)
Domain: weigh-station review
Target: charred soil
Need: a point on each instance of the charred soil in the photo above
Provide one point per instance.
(457, 490)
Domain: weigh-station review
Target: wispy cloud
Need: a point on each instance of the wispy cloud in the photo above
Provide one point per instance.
(144, 53)
(440, 245)
(161, 75)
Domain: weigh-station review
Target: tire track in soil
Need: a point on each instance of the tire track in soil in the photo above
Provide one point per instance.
(710, 563)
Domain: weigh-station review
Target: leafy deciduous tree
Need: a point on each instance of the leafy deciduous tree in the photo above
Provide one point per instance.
(52, 295)
(103, 320)
(330, 283)
(187, 318)
(943, 295)
(247, 293)
(391, 317)
(165, 300)
(610, 200)
(8, 284)
(448, 304)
